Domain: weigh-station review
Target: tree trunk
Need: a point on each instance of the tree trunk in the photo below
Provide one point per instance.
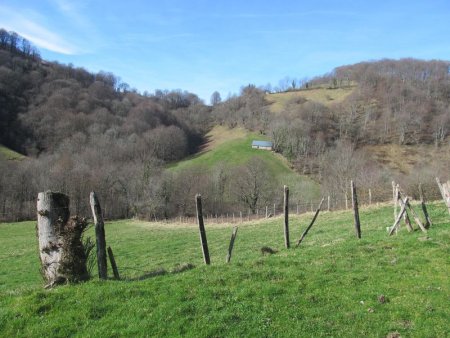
(61, 250)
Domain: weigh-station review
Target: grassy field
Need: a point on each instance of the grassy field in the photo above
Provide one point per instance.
(324, 96)
(233, 147)
(10, 155)
(333, 285)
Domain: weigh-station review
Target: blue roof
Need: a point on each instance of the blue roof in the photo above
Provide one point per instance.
(262, 143)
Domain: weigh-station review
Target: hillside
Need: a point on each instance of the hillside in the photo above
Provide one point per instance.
(9, 155)
(322, 95)
(233, 148)
(333, 285)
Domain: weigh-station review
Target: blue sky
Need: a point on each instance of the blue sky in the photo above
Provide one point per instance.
(203, 46)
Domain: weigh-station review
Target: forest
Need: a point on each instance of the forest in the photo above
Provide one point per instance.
(84, 131)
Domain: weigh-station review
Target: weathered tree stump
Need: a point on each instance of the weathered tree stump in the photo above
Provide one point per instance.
(61, 250)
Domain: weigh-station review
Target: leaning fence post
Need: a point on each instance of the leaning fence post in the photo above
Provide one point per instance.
(310, 224)
(230, 247)
(286, 217)
(355, 210)
(201, 226)
(99, 235)
(399, 217)
(113, 263)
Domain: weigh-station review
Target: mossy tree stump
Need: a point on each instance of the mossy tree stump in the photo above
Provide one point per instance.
(61, 250)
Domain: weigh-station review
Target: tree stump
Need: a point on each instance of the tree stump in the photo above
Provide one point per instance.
(61, 250)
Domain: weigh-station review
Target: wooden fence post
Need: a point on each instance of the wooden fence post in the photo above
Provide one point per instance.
(328, 203)
(240, 212)
(370, 197)
(113, 263)
(310, 224)
(274, 210)
(355, 209)
(230, 247)
(415, 217)
(297, 208)
(99, 236)
(428, 222)
(201, 226)
(395, 198)
(444, 188)
(267, 211)
(399, 217)
(286, 217)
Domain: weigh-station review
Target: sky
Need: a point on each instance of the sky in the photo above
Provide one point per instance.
(206, 46)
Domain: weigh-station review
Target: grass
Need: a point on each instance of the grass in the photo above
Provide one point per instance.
(324, 96)
(10, 155)
(330, 286)
(233, 147)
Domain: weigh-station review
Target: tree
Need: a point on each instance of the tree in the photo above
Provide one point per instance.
(215, 98)
(252, 183)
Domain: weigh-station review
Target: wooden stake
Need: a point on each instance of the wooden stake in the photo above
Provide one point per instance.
(405, 215)
(201, 226)
(267, 211)
(370, 197)
(310, 224)
(286, 217)
(394, 198)
(99, 235)
(355, 209)
(328, 203)
(113, 263)
(428, 222)
(230, 247)
(399, 217)
(446, 191)
(415, 217)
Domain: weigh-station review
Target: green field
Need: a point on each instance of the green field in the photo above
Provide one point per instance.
(330, 286)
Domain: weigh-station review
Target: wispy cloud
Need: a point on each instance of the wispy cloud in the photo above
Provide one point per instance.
(73, 10)
(35, 32)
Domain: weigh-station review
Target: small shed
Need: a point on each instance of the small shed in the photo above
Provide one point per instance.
(266, 145)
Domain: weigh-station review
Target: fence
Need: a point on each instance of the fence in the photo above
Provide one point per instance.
(186, 239)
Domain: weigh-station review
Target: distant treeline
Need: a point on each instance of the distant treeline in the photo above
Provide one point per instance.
(86, 131)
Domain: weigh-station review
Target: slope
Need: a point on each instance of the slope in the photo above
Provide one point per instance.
(333, 285)
(323, 95)
(9, 155)
(233, 146)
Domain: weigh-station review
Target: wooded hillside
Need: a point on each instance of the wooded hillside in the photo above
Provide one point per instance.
(83, 131)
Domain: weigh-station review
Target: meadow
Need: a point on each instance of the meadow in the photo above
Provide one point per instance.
(332, 285)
